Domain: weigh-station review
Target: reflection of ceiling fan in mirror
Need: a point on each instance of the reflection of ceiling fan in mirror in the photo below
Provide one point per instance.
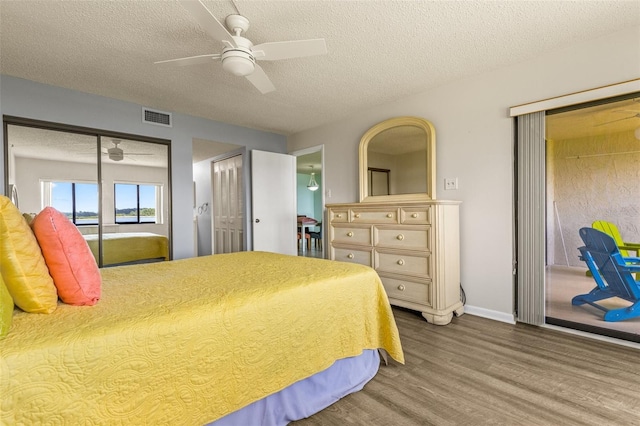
(117, 154)
(239, 55)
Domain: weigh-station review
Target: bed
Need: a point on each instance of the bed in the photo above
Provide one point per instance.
(129, 247)
(200, 340)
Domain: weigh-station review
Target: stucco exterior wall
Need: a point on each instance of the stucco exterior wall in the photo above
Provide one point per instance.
(594, 178)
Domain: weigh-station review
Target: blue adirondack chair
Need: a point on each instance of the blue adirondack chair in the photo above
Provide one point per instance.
(612, 273)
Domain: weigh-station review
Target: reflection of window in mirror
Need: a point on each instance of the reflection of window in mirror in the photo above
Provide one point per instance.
(378, 181)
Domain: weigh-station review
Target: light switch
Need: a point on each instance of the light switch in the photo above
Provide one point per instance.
(450, 183)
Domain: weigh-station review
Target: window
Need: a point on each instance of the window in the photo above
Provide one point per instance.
(137, 203)
(78, 201)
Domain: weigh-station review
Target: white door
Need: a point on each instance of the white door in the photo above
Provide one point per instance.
(228, 208)
(273, 201)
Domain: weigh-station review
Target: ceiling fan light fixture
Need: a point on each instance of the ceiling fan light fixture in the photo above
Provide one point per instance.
(116, 153)
(313, 185)
(238, 62)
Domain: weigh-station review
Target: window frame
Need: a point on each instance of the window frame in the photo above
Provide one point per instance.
(46, 194)
(159, 203)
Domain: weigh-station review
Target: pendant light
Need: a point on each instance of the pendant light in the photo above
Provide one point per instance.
(313, 185)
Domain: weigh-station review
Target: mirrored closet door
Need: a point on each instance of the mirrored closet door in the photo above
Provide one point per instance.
(114, 188)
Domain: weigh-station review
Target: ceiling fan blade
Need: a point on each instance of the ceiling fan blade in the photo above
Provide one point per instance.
(259, 79)
(620, 119)
(191, 60)
(289, 49)
(208, 22)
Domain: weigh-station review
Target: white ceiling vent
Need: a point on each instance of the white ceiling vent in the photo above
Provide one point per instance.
(160, 118)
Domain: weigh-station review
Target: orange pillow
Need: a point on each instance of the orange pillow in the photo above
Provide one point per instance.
(68, 257)
(23, 268)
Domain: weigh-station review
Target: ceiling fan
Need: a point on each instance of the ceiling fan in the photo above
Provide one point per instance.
(239, 55)
(636, 115)
(117, 154)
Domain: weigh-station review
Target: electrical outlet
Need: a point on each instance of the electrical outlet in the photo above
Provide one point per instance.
(450, 183)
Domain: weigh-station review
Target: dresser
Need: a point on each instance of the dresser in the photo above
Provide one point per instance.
(414, 247)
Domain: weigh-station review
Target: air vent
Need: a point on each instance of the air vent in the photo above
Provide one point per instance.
(160, 118)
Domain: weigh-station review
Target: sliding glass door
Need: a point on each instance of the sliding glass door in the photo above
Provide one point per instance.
(575, 166)
(593, 175)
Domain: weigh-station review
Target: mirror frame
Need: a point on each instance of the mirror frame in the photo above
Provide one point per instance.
(431, 160)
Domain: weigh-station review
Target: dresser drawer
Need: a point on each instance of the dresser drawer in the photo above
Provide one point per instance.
(403, 237)
(416, 264)
(361, 257)
(351, 235)
(409, 291)
(389, 215)
(339, 216)
(415, 215)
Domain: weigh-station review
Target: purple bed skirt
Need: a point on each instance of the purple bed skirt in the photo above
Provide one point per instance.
(308, 396)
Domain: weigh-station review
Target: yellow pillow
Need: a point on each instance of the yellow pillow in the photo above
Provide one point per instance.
(23, 269)
(6, 309)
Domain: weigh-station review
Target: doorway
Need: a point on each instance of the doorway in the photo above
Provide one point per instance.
(592, 174)
(310, 201)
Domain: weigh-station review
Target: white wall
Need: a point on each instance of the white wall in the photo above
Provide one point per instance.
(27, 99)
(474, 142)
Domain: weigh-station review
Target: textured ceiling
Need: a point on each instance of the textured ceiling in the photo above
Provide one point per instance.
(379, 51)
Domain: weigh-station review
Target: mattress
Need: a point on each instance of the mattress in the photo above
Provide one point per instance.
(129, 247)
(190, 341)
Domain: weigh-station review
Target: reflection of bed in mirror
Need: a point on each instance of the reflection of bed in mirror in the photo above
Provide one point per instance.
(129, 247)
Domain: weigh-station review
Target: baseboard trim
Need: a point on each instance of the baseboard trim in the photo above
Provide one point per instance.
(488, 313)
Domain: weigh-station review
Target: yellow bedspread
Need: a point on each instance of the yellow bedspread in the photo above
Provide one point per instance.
(187, 341)
(124, 247)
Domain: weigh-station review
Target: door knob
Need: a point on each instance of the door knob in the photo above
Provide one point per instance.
(257, 220)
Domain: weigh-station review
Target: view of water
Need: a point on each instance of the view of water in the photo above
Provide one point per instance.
(121, 219)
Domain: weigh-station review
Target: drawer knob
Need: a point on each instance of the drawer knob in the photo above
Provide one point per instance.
(357, 215)
(401, 262)
(401, 287)
(349, 234)
(350, 255)
(400, 237)
(338, 215)
(389, 215)
(415, 215)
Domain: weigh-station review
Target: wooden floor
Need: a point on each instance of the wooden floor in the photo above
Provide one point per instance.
(476, 371)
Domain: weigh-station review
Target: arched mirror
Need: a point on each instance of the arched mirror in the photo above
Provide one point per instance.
(398, 161)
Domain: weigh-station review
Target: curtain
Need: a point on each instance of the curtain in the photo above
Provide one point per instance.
(530, 218)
